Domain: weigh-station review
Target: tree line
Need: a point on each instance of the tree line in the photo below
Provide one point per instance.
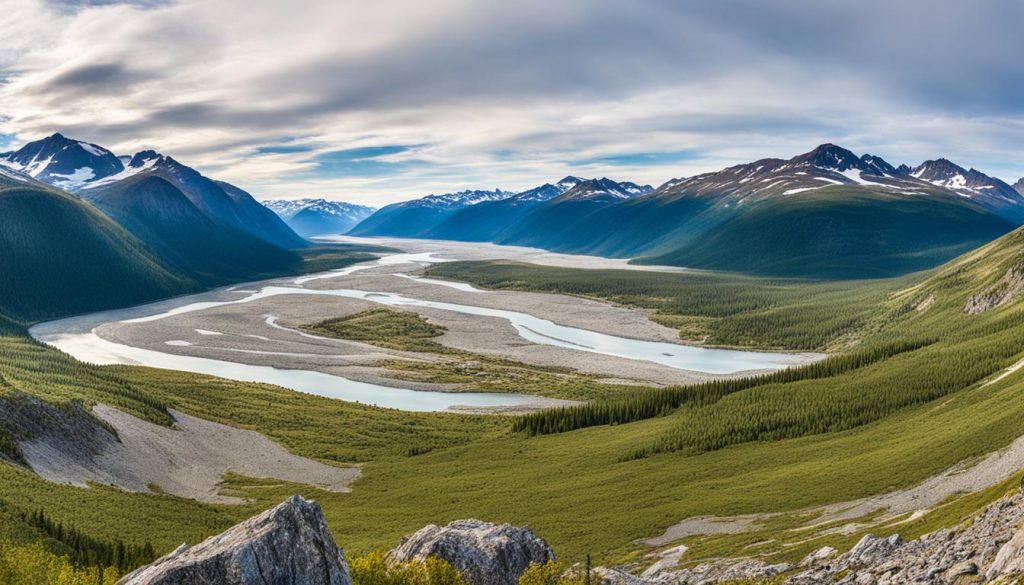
(656, 402)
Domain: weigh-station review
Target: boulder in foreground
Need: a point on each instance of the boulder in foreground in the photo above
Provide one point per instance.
(286, 545)
(485, 553)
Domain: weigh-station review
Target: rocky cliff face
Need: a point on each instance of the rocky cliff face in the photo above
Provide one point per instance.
(485, 553)
(286, 545)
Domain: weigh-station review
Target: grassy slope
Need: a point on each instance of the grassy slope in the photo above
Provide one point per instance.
(840, 233)
(580, 489)
(184, 237)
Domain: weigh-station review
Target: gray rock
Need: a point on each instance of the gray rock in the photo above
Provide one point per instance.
(286, 545)
(1010, 558)
(1009, 287)
(873, 549)
(961, 569)
(485, 553)
(819, 556)
(727, 570)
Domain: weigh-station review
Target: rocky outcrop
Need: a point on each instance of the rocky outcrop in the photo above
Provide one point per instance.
(713, 572)
(286, 545)
(485, 553)
(1009, 287)
(988, 548)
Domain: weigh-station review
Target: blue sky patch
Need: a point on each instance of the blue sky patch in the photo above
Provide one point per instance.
(363, 161)
(640, 158)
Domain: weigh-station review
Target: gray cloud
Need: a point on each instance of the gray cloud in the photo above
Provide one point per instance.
(105, 77)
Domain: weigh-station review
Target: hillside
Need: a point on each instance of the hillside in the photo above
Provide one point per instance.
(839, 232)
(223, 203)
(61, 256)
(184, 237)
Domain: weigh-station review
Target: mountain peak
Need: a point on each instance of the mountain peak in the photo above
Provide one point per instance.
(830, 156)
(937, 169)
(140, 158)
(63, 162)
(605, 187)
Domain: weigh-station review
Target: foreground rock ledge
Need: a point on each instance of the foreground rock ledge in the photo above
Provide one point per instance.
(485, 553)
(286, 545)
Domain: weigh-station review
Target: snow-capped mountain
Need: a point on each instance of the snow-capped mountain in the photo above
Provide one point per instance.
(315, 217)
(605, 188)
(825, 213)
(460, 199)
(226, 204)
(822, 167)
(545, 192)
(13, 175)
(63, 162)
(969, 183)
(417, 217)
(829, 165)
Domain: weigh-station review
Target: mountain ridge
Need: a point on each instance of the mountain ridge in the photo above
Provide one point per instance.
(317, 216)
(80, 167)
(769, 201)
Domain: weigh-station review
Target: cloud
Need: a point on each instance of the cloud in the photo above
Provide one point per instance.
(288, 99)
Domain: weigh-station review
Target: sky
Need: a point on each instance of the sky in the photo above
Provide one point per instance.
(379, 101)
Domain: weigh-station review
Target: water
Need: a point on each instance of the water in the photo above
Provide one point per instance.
(76, 337)
(89, 347)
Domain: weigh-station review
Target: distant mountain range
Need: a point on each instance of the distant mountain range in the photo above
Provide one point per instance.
(417, 217)
(826, 213)
(318, 217)
(149, 224)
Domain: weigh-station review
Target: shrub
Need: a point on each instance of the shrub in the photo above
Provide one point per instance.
(375, 569)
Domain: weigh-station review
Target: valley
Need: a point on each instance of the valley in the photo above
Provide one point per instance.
(691, 413)
(787, 476)
(252, 332)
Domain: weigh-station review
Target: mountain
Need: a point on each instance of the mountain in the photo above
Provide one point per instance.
(63, 162)
(315, 217)
(62, 256)
(604, 189)
(223, 203)
(416, 218)
(183, 236)
(1019, 186)
(827, 213)
(78, 166)
(568, 223)
(484, 221)
(984, 190)
(495, 215)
